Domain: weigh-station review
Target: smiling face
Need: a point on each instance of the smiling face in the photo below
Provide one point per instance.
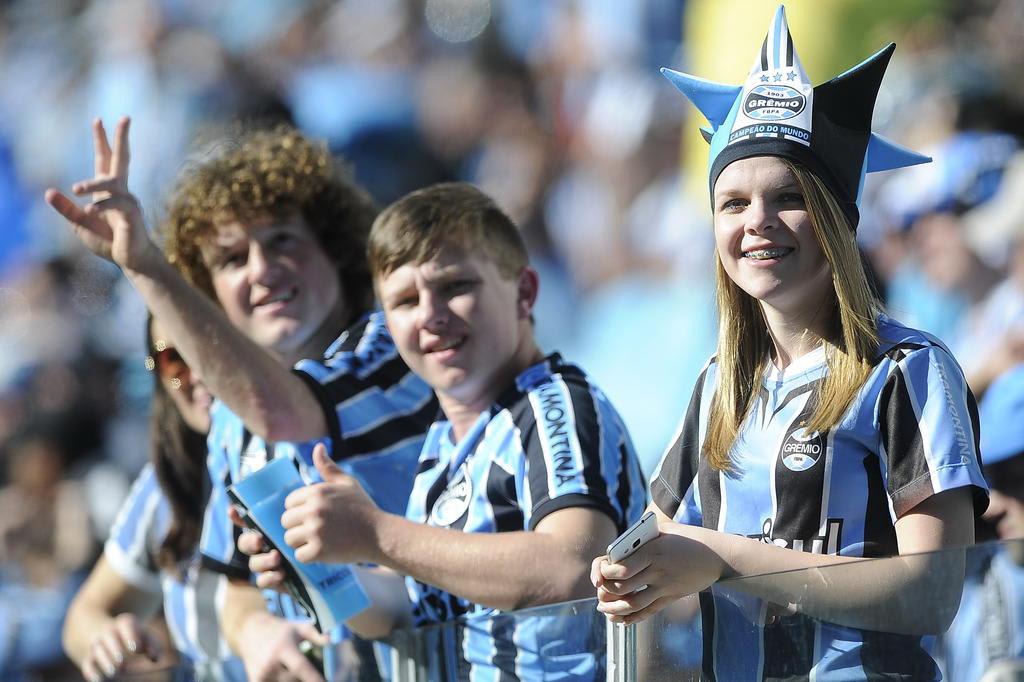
(764, 236)
(275, 283)
(461, 324)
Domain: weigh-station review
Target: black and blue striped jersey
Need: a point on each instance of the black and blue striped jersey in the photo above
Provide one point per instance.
(551, 441)
(191, 602)
(910, 433)
(373, 405)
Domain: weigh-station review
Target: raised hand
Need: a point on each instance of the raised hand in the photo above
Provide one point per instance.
(111, 225)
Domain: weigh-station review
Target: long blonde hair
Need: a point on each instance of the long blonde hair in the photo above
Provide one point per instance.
(744, 345)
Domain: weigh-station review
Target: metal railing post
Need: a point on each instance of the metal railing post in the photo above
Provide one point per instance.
(408, 663)
(621, 653)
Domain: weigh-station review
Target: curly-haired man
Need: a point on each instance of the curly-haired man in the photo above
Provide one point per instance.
(273, 233)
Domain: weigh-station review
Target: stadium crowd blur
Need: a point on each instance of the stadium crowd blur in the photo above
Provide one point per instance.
(554, 108)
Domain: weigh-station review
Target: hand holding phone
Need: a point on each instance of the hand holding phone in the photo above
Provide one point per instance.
(641, 532)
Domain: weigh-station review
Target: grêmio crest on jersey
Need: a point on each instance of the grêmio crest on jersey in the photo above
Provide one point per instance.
(453, 502)
(802, 450)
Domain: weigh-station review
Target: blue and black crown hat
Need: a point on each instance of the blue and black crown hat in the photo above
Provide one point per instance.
(778, 112)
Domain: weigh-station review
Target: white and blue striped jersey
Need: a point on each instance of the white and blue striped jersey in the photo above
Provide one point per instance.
(551, 441)
(192, 602)
(910, 433)
(373, 405)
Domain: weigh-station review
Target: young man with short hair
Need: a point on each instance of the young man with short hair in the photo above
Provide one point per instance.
(529, 474)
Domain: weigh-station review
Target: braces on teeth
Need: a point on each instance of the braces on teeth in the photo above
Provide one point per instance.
(762, 254)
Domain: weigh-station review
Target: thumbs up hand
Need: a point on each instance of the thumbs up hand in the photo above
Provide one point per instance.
(325, 466)
(334, 521)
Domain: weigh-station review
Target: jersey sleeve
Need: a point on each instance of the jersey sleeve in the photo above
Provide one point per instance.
(217, 543)
(578, 454)
(369, 398)
(135, 536)
(928, 430)
(672, 485)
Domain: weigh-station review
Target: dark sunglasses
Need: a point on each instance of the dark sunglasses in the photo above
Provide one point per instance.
(167, 363)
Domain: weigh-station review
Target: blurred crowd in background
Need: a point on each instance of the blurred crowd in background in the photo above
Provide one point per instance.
(556, 108)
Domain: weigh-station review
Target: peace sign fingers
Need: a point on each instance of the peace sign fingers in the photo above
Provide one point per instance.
(109, 164)
(112, 225)
(100, 149)
(119, 157)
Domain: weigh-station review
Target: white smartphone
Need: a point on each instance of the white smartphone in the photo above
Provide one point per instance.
(644, 530)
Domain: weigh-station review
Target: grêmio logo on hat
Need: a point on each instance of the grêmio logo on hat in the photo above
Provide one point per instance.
(767, 103)
(779, 112)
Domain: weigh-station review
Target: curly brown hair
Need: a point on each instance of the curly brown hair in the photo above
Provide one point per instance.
(275, 172)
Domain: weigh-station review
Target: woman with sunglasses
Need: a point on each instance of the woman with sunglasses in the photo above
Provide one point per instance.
(150, 557)
(822, 432)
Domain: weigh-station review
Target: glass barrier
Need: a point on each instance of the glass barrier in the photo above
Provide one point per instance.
(949, 615)
(354, 660)
(557, 642)
(955, 615)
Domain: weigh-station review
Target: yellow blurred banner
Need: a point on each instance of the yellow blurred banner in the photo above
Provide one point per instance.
(723, 38)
